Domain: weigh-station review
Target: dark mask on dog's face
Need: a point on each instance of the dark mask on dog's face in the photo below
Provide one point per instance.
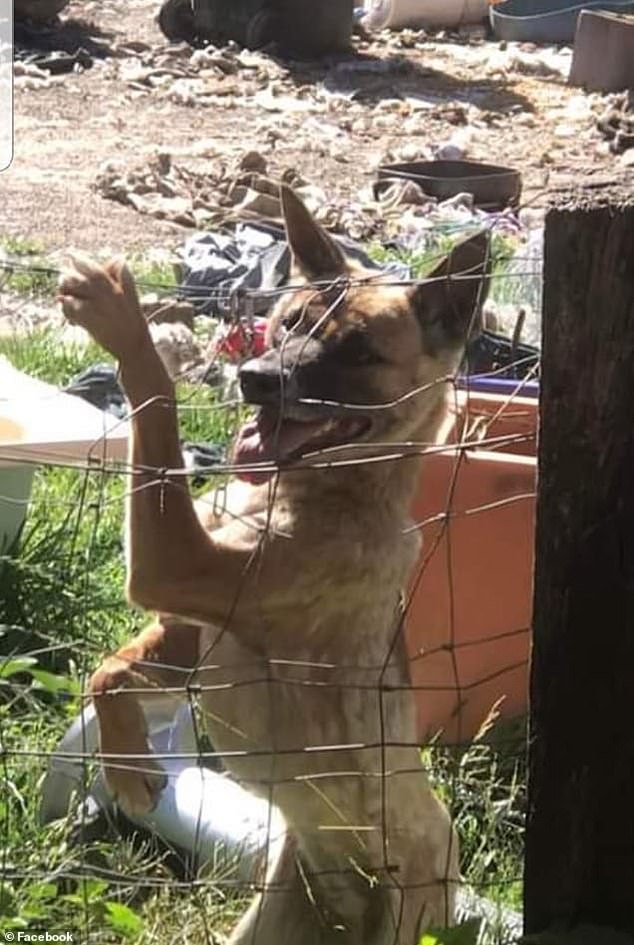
(347, 352)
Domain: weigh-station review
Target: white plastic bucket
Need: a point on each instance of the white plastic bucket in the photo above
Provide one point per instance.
(400, 14)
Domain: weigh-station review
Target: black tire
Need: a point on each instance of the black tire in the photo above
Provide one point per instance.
(176, 20)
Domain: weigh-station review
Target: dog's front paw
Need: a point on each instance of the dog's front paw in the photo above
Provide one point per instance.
(104, 301)
(135, 783)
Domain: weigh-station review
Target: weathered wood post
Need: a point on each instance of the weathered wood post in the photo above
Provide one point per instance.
(580, 827)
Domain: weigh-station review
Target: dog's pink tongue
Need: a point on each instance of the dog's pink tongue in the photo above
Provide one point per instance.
(267, 440)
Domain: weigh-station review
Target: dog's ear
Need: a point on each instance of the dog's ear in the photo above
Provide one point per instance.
(449, 304)
(315, 254)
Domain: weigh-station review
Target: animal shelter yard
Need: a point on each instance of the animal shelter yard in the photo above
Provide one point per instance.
(337, 718)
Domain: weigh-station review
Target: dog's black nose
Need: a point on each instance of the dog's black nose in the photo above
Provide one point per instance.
(262, 379)
(279, 370)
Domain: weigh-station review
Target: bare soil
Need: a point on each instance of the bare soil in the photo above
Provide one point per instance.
(337, 119)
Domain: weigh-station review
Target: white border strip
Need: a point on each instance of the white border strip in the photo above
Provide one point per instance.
(6, 83)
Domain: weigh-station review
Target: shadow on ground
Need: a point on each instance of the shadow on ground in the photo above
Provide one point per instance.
(371, 79)
(61, 36)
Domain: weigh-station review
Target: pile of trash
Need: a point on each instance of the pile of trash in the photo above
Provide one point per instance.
(219, 197)
(247, 266)
(224, 196)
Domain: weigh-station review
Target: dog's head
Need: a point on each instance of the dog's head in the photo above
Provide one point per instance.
(350, 357)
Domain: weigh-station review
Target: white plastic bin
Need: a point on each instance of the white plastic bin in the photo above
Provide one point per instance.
(421, 14)
(39, 424)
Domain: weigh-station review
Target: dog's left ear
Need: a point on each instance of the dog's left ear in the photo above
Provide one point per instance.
(451, 300)
(315, 253)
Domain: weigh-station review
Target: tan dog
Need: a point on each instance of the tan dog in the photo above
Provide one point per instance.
(287, 604)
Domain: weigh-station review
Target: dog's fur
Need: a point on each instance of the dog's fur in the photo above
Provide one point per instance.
(287, 602)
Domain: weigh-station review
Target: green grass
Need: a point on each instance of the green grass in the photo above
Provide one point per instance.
(154, 274)
(61, 598)
(484, 787)
(422, 262)
(31, 274)
(27, 271)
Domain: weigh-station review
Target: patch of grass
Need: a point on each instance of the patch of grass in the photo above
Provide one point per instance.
(44, 354)
(156, 273)
(25, 271)
(422, 262)
(112, 890)
(484, 788)
(20, 246)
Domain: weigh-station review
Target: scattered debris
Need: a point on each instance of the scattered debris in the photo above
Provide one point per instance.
(169, 191)
(225, 196)
(406, 96)
(617, 122)
(22, 69)
(177, 347)
(59, 63)
(220, 267)
(159, 309)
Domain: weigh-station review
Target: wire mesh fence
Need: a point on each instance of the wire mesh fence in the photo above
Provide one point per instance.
(284, 765)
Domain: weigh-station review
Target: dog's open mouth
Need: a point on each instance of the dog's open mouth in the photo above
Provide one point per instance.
(281, 440)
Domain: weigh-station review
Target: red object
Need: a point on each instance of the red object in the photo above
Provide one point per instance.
(243, 340)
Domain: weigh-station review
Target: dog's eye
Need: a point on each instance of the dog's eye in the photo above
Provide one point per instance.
(354, 350)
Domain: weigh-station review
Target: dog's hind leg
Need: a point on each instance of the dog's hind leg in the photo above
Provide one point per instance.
(155, 664)
(283, 913)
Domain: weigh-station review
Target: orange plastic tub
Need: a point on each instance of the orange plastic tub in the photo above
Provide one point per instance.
(469, 617)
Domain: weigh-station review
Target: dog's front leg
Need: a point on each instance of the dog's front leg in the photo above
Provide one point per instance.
(157, 664)
(174, 565)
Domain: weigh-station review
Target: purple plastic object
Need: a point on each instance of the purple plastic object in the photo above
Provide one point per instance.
(499, 385)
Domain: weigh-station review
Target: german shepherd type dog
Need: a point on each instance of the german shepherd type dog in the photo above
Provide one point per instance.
(282, 610)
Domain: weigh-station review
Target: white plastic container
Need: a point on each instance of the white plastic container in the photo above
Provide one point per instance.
(40, 424)
(421, 14)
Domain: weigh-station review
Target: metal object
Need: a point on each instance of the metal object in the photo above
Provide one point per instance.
(603, 58)
(493, 187)
(546, 21)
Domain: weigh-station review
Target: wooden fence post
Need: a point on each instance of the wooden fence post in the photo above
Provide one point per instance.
(580, 825)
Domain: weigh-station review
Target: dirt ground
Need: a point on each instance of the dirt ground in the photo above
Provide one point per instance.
(333, 122)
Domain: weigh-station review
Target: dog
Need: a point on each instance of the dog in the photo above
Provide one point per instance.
(281, 610)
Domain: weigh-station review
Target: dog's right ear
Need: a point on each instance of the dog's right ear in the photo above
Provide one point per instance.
(449, 302)
(315, 254)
